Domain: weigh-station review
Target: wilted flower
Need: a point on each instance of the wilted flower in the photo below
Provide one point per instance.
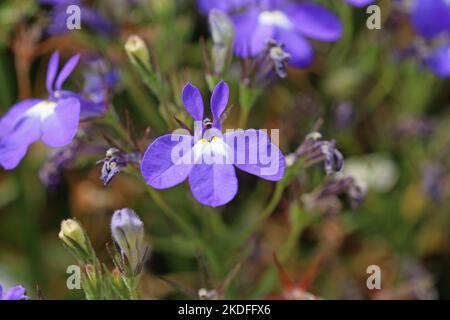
(114, 162)
(327, 197)
(128, 232)
(209, 157)
(315, 150)
(15, 293)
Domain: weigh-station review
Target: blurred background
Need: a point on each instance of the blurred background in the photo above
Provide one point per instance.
(387, 112)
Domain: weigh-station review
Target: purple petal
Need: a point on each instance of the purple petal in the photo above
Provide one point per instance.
(360, 3)
(15, 293)
(1, 292)
(14, 145)
(52, 68)
(66, 71)
(301, 52)
(159, 169)
(219, 100)
(255, 154)
(14, 114)
(59, 128)
(193, 101)
(88, 109)
(315, 21)
(251, 37)
(226, 6)
(431, 17)
(439, 61)
(213, 184)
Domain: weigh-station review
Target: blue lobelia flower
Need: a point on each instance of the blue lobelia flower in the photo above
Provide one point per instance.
(286, 22)
(431, 19)
(208, 159)
(53, 121)
(15, 293)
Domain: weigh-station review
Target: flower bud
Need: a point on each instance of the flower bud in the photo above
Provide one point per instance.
(72, 232)
(137, 51)
(128, 232)
(222, 32)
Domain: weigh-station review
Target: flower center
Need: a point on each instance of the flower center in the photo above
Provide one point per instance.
(216, 148)
(275, 18)
(42, 110)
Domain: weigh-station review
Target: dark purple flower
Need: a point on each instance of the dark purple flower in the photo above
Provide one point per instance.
(315, 150)
(53, 121)
(208, 158)
(114, 162)
(89, 17)
(15, 293)
(439, 61)
(51, 173)
(287, 23)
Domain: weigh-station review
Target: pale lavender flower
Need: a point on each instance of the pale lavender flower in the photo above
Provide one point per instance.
(54, 121)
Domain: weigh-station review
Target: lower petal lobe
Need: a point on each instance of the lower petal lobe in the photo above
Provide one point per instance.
(14, 145)
(213, 184)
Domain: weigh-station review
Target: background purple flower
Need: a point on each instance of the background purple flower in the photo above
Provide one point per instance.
(431, 19)
(54, 121)
(15, 293)
(89, 17)
(288, 23)
(212, 183)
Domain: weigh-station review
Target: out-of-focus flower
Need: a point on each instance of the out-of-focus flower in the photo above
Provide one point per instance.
(209, 157)
(54, 121)
(345, 114)
(114, 162)
(15, 293)
(51, 173)
(128, 232)
(433, 181)
(377, 171)
(431, 19)
(287, 23)
(327, 197)
(415, 126)
(89, 17)
(99, 80)
(315, 150)
(206, 6)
